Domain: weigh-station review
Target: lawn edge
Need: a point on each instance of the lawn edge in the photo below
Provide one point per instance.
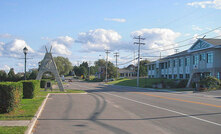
(37, 114)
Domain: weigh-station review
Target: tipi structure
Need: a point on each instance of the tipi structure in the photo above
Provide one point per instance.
(48, 65)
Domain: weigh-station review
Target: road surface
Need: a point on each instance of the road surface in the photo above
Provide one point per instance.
(126, 110)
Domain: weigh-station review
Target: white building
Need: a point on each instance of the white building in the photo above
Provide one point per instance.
(203, 58)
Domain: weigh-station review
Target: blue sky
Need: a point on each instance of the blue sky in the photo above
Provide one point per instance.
(81, 30)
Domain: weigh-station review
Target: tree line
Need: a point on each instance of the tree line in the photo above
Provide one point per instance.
(65, 68)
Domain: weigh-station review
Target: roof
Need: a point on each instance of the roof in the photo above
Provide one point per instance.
(212, 41)
(125, 71)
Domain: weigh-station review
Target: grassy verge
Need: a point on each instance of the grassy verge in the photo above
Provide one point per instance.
(12, 130)
(144, 83)
(28, 107)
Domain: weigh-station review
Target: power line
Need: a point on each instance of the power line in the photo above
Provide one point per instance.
(190, 38)
(182, 45)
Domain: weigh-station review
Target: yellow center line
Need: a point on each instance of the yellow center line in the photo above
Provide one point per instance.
(168, 98)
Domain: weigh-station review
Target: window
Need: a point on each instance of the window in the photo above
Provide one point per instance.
(204, 56)
(187, 76)
(181, 76)
(149, 67)
(174, 63)
(218, 75)
(187, 61)
(195, 60)
(165, 64)
(168, 64)
(180, 62)
(153, 67)
(170, 76)
(209, 57)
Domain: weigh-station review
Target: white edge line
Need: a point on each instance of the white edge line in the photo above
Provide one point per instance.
(34, 119)
(166, 109)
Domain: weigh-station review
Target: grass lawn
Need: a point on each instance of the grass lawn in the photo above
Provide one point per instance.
(12, 130)
(143, 83)
(28, 107)
(133, 82)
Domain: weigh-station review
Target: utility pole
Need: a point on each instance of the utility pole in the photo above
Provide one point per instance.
(89, 63)
(138, 64)
(134, 59)
(116, 55)
(176, 50)
(107, 52)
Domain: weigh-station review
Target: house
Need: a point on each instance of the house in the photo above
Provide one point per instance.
(200, 60)
(127, 72)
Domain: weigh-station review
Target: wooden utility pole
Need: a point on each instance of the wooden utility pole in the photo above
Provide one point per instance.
(116, 55)
(138, 64)
(107, 52)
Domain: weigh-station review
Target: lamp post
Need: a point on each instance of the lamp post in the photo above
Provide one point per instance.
(25, 51)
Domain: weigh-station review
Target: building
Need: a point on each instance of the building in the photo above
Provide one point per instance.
(200, 60)
(127, 72)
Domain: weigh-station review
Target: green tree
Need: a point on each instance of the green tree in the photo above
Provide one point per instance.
(33, 74)
(64, 66)
(11, 75)
(3, 75)
(111, 69)
(143, 67)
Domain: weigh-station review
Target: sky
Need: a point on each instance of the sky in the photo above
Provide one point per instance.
(83, 30)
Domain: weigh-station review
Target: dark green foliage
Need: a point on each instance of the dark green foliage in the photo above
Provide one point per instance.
(11, 75)
(3, 75)
(30, 88)
(43, 83)
(182, 83)
(210, 83)
(10, 95)
(33, 74)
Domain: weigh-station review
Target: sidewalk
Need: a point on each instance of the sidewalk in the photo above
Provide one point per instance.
(15, 123)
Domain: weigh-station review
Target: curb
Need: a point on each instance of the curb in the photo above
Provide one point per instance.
(34, 119)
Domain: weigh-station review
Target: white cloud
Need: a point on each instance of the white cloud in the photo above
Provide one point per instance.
(115, 19)
(99, 40)
(204, 4)
(157, 39)
(60, 45)
(6, 35)
(196, 28)
(1, 47)
(5, 67)
(15, 48)
(218, 32)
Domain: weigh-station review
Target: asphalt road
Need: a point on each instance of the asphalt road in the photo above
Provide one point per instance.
(125, 110)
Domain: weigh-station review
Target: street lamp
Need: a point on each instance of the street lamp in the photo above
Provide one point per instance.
(25, 51)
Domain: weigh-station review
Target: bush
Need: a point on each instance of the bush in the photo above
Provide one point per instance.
(43, 83)
(10, 95)
(210, 83)
(95, 80)
(30, 88)
(182, 83)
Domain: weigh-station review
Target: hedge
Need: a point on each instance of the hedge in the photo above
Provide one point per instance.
(30, 88)
(10, 95)
(43, 83)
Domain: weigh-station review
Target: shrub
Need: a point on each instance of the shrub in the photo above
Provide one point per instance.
(10, 95)
(182, 83)
(43, 83)
(30, 88)
(210, 83)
